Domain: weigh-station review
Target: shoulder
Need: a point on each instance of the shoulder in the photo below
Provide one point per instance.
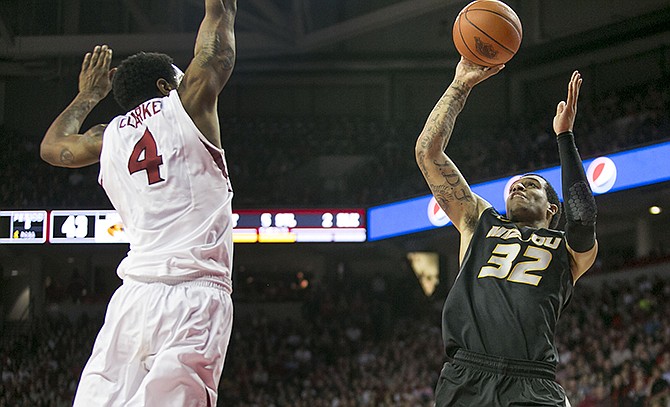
(491, 214)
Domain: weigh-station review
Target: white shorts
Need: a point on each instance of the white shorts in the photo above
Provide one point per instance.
(161, 345)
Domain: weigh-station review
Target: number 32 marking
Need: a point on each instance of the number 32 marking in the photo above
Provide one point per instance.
(503, 257)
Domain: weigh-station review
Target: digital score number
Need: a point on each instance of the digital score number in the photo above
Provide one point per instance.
(299, 225)
(249, 226)
(23, 226)
(86, 227)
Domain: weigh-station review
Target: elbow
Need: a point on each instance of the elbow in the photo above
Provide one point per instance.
(44, 153)
(47, 154)
(421, 149)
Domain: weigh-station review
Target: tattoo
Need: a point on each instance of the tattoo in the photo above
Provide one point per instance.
(75, 114)
(455, 100)
(212, 52)
(228, 58)
(211, 44)
(461, 87)
(445, 181)
(452, 178)
(453, 188)
(66, 156)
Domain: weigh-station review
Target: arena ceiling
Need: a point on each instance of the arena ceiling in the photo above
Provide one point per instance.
(40, 37)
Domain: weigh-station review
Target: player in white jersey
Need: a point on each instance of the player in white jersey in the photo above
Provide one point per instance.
(167, 328)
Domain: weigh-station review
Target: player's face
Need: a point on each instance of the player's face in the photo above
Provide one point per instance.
(527, 199)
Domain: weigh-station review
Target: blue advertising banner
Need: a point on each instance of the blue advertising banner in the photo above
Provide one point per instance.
(606, 174)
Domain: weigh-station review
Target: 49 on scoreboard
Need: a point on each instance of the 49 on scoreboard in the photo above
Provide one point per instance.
(249, 226)
(91, 226)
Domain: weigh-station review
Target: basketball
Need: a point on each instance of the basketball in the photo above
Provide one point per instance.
(487, 32)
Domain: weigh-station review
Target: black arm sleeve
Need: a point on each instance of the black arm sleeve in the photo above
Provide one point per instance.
(580, 206)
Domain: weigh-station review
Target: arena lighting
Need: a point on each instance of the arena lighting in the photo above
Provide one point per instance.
(655, 210)
(606, 174)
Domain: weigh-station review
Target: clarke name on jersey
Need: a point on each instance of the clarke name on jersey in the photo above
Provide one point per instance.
(135, 117)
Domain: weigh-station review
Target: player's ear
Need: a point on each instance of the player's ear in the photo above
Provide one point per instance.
(164, 87)
(553, 209)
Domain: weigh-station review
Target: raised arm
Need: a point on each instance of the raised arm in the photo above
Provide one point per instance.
(211, 67)
(62, 145)
(447, 184)
(580, 206)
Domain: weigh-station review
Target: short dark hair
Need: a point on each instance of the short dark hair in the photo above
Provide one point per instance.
(135, 79)
(552, 197)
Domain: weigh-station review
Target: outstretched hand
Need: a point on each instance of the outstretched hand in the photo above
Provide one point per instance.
(95, 78)
(567, 109)
(472, 74)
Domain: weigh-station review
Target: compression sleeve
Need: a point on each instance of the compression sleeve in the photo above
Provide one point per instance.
(580, 206)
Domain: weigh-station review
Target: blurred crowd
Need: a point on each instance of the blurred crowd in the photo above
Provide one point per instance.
(375, 341)
(354, 161)
(614, 345)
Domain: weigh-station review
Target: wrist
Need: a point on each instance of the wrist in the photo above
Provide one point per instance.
(565, 134)
(89, 96)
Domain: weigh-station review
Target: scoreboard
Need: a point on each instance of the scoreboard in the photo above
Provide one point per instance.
(23, 226)
(249, 226)
(86, 227)
(299, 225)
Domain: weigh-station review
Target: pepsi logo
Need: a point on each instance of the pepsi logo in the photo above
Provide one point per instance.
(601, 174)
(436, 215)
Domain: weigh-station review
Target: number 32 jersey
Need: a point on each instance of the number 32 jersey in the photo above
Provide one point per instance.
(170, 186)
(513, 284)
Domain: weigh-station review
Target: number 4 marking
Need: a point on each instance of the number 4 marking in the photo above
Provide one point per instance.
(150, 162)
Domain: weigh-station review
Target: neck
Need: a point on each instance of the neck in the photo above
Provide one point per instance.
(537, 224)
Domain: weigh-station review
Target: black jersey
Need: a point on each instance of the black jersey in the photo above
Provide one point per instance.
(513, 284)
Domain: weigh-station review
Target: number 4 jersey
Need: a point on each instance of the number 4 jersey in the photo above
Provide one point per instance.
(513, 284)
(170, 186)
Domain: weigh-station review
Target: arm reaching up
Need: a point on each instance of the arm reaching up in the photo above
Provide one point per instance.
(62, 145)
(211, 67)
(446, 182)
(580, 206)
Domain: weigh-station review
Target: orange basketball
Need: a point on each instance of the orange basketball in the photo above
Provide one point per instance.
(487, 32)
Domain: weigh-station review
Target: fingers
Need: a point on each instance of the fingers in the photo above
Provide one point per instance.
(87, 61)
(106, 57)
(560, 108)
(95, 56)
(100, 57)
(573, 88)
(495, 69)
(577, 85)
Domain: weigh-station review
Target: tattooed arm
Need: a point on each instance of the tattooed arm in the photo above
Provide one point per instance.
(62, 144)
(211, 67)
(443, 177)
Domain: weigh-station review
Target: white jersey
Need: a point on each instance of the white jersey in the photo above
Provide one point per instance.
(170, 186)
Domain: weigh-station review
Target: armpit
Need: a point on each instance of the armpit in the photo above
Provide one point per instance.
(580, 262)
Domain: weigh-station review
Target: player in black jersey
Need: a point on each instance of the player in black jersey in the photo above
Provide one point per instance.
(517, 272)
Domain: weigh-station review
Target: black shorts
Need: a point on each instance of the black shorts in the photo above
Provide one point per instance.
(472, 379)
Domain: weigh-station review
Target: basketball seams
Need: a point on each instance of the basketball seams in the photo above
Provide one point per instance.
(490, 36)
(465, 43)
(494, 5)
(515, 24)
(485, 33)
(511, 21)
